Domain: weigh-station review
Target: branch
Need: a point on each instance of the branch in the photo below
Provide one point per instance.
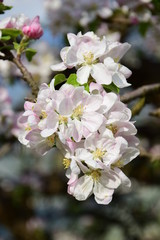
(141, 92)
(26, 75)
(156, 113)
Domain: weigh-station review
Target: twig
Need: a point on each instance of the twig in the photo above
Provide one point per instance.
(141, 92)
(26, 75)
(136, 109)
(155, 113)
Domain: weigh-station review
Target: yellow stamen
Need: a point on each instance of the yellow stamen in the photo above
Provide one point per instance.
(95, 174)
(113, 128)
(28, 128)
(118, 164)
(43, 115)
(98, 153)
(77, 112)
(88, 58)
(63, 119)
(66, 163)
(50, 140)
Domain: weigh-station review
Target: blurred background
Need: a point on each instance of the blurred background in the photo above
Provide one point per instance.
(34, 204)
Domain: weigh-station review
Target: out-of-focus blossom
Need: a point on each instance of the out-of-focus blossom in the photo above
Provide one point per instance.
(33, 30)
(14, 22)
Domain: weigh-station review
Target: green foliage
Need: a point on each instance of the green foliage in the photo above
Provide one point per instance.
(143, 28)
(4, 8)
(5, 38)
(13, 33)
(30, 52)
(59, 78)
(73, 80)
(111, 88)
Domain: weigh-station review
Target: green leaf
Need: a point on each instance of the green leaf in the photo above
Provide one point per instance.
(4, 8)
(86, 87)
(111, 88)
(30, 52)
(16, 46)
(11, 32)
(143, 28)
(5, 38)
(59, 78)
(73, 80)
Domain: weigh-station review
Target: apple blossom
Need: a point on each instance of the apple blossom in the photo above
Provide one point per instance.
(95, 57)
(33, 30)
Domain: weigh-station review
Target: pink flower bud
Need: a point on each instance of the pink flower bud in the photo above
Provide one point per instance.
(34, 29)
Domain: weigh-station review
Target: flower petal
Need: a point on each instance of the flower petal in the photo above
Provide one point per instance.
(101, 74)
(83, 188)
(83, 74)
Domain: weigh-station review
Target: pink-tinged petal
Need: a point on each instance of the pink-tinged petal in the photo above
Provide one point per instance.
(124, 179)
(95, 87)
(66, 107)
(64, 52)
(71, 38)
(28, 106)
(129, 155)
(110, 179)
(108, 101)
(77, 96)
(118, 50)
(51, 125)
(93, 103)
(71, 57)
(126, 128)
(91, 141)
(34, 136)
(58, 67)
(83, 74)
(102, 194)
(83, 188)
(125, 71)
(92, 121)
(74, 167)
(132, 141)
(101, 74)
(120, 81)
(42, 148)
(110, 64)
(77, 130)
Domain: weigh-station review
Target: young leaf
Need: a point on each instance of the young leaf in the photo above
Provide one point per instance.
(4, 8)
(73, 80)
(30, 52)
(16, 45)
(111, 88)
(59, 78)
(11, 32)
(5, 38)
(86, 87)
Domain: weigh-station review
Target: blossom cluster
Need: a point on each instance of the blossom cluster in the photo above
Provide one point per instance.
(90, 126)
(95, 57)
(30, 28)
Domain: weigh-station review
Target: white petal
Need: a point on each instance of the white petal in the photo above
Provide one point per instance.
(125, 71)
(102, 194)
(101, 74)
(120, 80)
(66, 107)
(92, 121)
(83, 188)
(59, 67)
(93, 103)
(83, 74)
(129, 155)
(109, 179)
(125, 180)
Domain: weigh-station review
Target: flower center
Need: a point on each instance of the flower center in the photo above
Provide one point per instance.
(118, 164)
(63, 119)
(50, 140)
(95, 174)
(77, 112)
(113, 128)
(43, 114)
(66, 163)
(88, 58)
(98, 153)
(28, 128)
